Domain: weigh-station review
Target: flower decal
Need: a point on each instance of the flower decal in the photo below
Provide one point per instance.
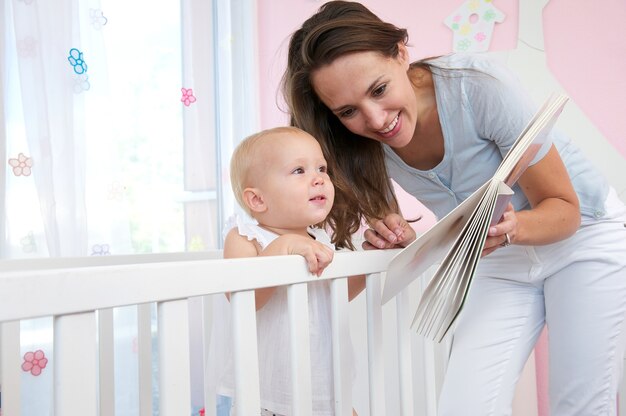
(28, 243)
(97, 18)
(116, 191)
(463, 45)
(22, 165)
(187, 97)
(27, 47)
(34, 362)
(465, 29)
(196, 243)
(480, 36)
(77, 61)
(489, 15)
(81, 83)
(100, 250)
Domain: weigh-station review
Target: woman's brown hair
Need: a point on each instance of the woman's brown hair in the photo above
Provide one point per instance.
(356, 164)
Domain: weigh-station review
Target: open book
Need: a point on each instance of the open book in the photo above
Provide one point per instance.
(456, 241)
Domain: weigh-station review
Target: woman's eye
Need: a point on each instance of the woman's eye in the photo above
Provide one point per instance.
(346, 113)
(379, 91)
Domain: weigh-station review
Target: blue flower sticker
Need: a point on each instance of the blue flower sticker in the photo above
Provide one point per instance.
(76, 60)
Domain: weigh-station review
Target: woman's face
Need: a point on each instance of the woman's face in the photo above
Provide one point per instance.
(371, 95)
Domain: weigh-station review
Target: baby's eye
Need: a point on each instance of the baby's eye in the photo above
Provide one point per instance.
(298, 171)
(380, 90)
(322, 169)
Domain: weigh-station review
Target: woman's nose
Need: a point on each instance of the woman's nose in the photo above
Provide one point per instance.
(375, 118)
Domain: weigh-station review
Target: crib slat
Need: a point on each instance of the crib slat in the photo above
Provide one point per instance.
(75, 365)
(174, 365)
(144, 357)
(245, 353)
(106, 362)
(210, 390)
(376, 369)
(430, 368)
(298, 301)
(404, 353)
(10, 371)
(342, 370)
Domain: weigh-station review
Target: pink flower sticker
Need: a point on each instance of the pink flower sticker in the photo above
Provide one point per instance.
(22, 165)
(187, 97)
(480, 36)
(34, 362)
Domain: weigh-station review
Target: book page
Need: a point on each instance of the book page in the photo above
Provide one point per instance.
(446, 292)
(429, 247)
(528, 144)
(502, 202)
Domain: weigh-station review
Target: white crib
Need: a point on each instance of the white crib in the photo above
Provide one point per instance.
(80, 293)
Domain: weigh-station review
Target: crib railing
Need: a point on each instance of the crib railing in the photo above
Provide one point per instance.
(81, 293)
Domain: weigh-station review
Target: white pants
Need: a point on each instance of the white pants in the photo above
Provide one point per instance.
(578, 288)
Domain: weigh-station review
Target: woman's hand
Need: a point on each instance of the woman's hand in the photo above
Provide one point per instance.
(390, 232)
(503, 233)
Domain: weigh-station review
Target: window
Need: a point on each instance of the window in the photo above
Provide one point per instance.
(118, 120)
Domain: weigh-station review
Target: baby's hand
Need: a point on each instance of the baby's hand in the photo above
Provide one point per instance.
(392, 231)
(317, 255)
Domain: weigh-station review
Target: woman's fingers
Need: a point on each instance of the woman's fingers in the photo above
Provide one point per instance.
(391, 231)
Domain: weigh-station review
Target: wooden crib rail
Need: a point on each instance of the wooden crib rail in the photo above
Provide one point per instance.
(80, 293)
(43, 287)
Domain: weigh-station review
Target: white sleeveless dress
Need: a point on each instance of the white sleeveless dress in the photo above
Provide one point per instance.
(273, 340)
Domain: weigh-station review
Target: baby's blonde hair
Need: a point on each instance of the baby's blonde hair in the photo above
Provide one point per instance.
(244, 158)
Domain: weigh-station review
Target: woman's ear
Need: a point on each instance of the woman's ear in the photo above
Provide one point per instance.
(254, 200)
(403, 55)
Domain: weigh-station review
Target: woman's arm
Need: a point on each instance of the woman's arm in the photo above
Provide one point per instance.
(554, 213)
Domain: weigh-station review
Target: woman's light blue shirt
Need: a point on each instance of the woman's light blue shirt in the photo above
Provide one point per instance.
(482, 110)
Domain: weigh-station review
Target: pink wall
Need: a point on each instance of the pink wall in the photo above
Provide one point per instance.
(586, 50)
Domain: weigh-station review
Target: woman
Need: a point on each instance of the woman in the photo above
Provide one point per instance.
(440, 127)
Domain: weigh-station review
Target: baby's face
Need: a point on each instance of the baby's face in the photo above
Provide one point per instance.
(294, 181)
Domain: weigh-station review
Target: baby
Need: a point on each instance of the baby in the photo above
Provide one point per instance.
(279, 176)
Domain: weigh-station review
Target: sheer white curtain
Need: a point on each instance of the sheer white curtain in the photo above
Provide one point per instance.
(118, 120)
(236, 81)
(45, 80)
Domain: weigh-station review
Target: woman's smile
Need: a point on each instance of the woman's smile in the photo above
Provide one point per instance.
(393, 128)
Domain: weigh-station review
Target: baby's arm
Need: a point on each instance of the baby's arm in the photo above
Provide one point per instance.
(238, 246)
(317, 255)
